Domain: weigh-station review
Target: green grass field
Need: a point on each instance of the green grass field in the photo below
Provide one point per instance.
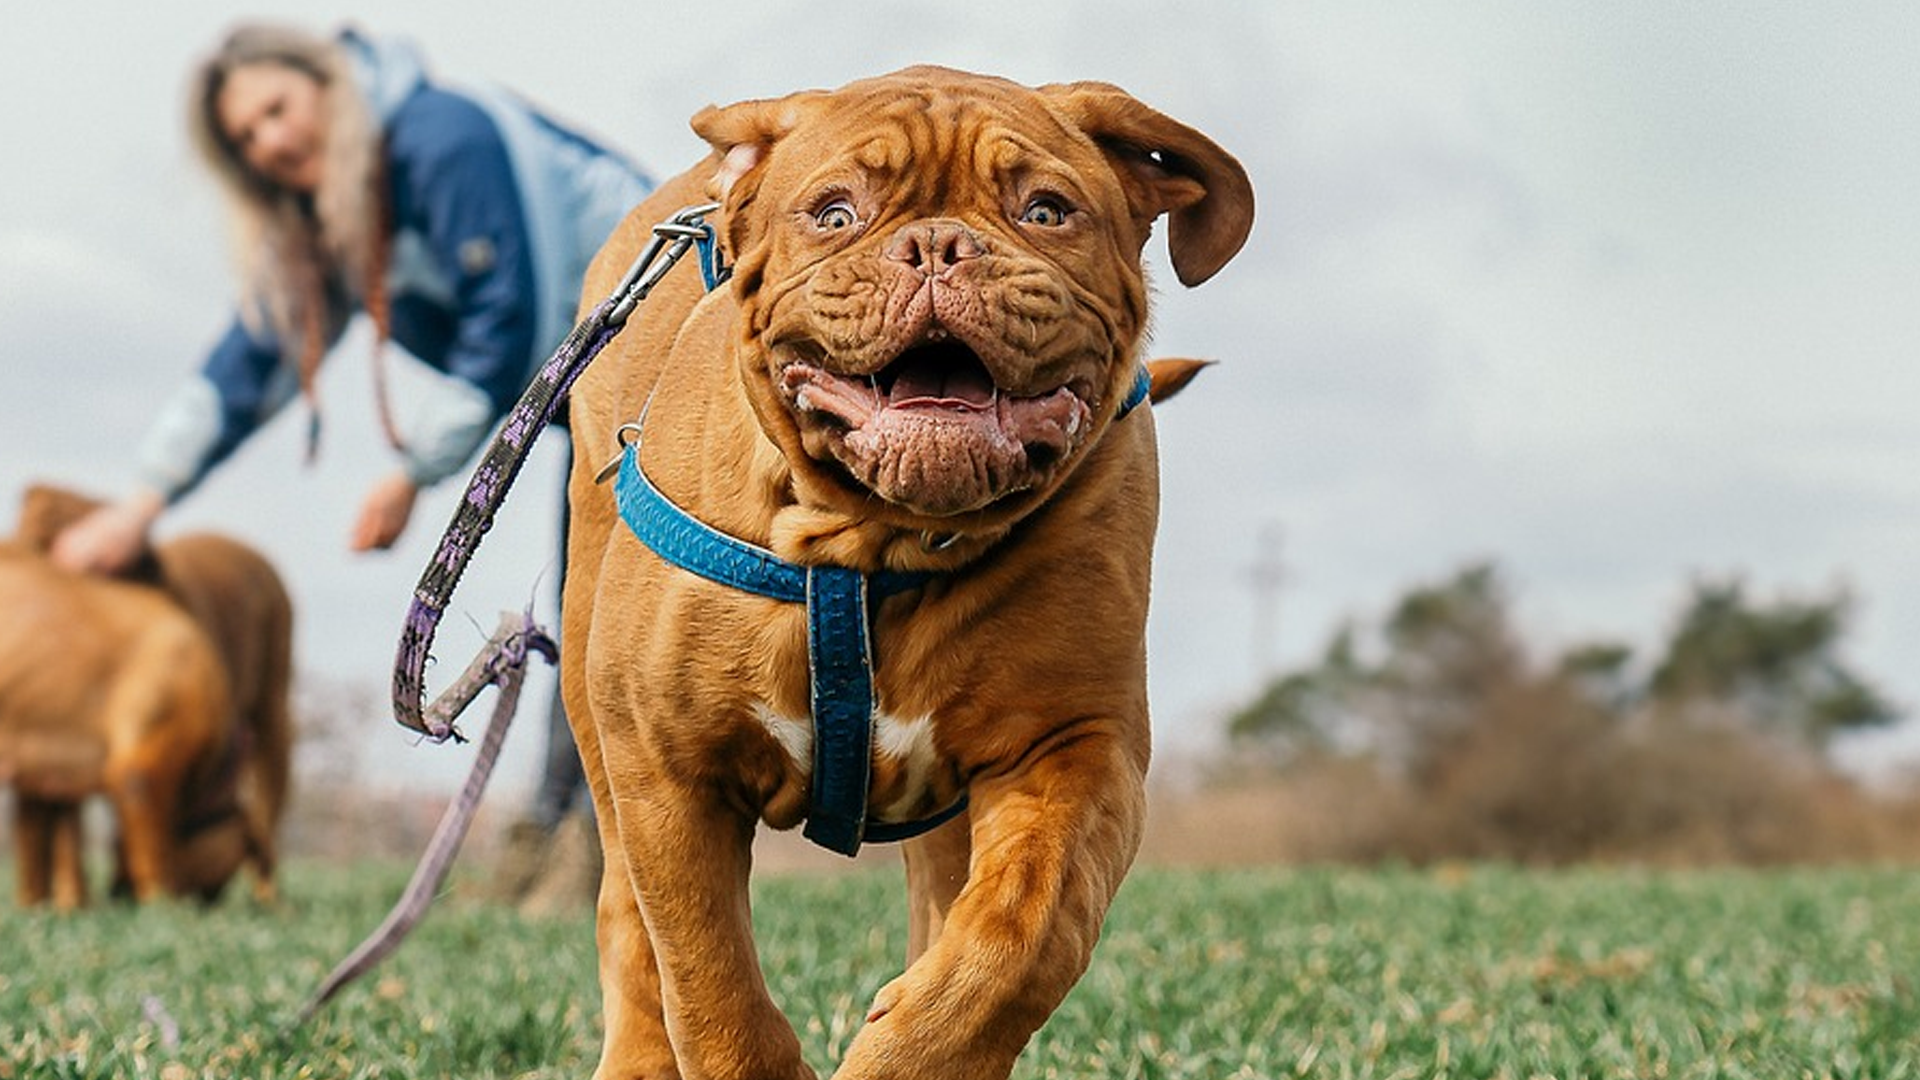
(1476, 972)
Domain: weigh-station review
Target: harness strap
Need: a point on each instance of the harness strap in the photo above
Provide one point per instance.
(840, 661)
(1137, 393)
(694, 546)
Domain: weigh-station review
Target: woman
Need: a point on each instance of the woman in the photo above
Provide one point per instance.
(461, 221)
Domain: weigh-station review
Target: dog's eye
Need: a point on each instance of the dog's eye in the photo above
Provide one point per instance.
(1044, 211)
(836, 215)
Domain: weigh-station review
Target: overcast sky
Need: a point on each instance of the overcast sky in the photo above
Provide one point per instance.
(1614, 294)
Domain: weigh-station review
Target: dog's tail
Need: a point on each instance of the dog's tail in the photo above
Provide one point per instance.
(1170, 374)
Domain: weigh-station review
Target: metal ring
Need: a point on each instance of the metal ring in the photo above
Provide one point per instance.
(626, 435)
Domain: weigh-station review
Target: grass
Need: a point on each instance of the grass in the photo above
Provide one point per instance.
(1230, 975)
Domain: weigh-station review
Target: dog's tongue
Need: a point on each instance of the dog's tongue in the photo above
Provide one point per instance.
(928, 381)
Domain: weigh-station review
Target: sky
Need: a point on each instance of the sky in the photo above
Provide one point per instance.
(1618, 296)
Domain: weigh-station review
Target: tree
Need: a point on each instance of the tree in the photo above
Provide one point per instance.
(1443, 647)
(1446, 648)
(1306, 710)
(1456, 741)
(1773, 665)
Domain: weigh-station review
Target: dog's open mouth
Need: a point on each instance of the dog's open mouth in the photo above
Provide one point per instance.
(932, 431)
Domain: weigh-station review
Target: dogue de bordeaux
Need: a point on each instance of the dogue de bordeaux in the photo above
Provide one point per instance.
(877, 554)
(167, 690)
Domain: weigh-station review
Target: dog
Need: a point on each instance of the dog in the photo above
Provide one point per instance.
(228, 808)
(914, 397)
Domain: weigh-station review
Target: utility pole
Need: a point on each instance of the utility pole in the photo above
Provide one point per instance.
(1267, 574)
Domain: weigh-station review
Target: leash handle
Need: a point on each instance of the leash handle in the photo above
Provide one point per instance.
(487, 488)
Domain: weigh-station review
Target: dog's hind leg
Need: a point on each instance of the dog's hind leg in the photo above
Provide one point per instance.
(936, 871)
(50, 854)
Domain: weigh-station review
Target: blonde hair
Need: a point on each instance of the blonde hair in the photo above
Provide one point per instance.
(294, 250)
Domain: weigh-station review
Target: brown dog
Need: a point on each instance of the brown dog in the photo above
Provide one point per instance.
(230, 809)
(920, 374)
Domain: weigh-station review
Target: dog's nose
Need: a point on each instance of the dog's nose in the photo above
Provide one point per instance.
(933, 247)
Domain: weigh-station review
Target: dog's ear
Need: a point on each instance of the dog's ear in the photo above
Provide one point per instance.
(742, 136)
(46, 511)
(1167, 168)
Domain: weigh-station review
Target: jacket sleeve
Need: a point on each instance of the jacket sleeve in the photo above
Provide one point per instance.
(462, 198)
(242, 385)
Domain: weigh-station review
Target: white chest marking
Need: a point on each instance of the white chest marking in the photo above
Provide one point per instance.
(794, 736)
(907, 743)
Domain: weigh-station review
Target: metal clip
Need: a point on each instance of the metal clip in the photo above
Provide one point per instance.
(683, 228)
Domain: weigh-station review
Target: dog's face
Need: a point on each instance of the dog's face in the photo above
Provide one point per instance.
(940, 279)
(208, 857)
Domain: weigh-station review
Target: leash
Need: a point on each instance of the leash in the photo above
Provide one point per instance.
(487, 487)
(503, 659)
(502, 663)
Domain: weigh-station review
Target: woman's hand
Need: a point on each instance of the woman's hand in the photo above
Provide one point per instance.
(384, 513)
(111, 538)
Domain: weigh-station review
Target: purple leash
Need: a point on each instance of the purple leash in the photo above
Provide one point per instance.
(487, 488)
(502, 661)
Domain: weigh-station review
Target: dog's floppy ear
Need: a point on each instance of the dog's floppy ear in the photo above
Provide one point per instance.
(1167, 168)
(743, 135)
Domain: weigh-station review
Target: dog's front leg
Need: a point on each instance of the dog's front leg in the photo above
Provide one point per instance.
(636, 1046)
(1051, 844)
(33, 824)
(68, 859)
(687, 856)
(146, 800)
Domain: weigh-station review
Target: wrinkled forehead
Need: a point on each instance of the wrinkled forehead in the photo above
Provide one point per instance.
(919, 139)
